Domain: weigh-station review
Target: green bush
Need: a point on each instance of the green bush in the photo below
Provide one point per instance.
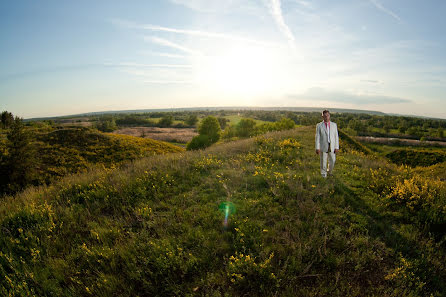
(246, 128)
(199, 142)
(415, 158)
(210, 127)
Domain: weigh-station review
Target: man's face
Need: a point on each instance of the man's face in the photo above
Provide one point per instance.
(326, 117)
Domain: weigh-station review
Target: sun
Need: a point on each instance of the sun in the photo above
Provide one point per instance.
(238, 71)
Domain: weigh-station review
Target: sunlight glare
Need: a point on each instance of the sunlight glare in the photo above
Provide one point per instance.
(238, 71)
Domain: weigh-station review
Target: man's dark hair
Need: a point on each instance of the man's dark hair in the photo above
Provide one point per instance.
(325, 111)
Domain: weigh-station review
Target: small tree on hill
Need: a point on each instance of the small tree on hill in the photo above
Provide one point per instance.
(7, 119)
(209, 133)
(21, 161)
(246, 128)
(210, 127)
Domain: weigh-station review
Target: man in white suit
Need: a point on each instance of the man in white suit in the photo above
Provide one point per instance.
(327, 143)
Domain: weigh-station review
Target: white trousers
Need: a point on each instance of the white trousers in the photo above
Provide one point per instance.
(331, 161)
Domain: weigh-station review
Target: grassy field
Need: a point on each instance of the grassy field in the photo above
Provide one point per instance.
(234, 119)
(172, 135)
(246, 218)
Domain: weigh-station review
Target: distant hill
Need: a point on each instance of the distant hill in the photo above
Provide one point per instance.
(234, 108)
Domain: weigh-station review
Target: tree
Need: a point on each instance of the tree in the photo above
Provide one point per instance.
(211, 127)
(222, 121)
(440, 132)
(166, 121)
(284, 124)
(209, 133)
(191, 120)
(20, 162)
(106, 124)
(7, 119)
(246, 128)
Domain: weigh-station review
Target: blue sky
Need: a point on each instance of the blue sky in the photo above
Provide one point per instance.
(68, 57)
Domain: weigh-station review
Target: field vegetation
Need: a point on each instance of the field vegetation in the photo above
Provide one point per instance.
(40, 154)
(250, 217)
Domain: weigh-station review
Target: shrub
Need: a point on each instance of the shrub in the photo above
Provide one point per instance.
(166, 121)
(211, 128)
(415, 158)
(246, 128)
(199, 142)
(424, 199)
(191, 120)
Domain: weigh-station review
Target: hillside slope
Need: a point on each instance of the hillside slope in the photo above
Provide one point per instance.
(251, 217)
(73, 150)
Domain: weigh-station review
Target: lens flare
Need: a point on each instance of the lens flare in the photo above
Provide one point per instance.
(227, 208)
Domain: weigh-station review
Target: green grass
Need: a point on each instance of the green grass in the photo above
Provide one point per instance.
(154, 227)
(234, 119)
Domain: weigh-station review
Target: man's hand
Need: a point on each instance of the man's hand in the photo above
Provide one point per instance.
(318, 151)
(336, 151)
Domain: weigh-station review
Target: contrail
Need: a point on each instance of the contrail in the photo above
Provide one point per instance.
(387, 11)
(276, 12)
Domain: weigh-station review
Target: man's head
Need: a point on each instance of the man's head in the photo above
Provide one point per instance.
(326, 116)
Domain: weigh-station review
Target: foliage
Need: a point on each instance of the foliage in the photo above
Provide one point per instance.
(20, 163)
(154, 228)
(7, 119)
(42, 158)
(105, 124)
(424, 199)
(191, 120)
(283, 124)
(166, 121)
(246, 128)
(415, 158)
(352, 143)
(210, 127)
(223, 122)
(198, 142)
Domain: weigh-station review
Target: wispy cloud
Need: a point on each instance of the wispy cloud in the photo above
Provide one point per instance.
(276, 11)
(198, 33)
(168, 43)
(139, 65)
(324, 95)
(160, 54)
(306, 4)
(386, 10)
(222, 7)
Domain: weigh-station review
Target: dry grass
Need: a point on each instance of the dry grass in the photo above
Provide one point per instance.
(384, 140)
(180, 135)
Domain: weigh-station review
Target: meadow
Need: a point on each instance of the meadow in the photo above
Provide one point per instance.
(250, 217)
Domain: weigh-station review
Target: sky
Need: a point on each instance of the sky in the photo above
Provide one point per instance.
(69, 57)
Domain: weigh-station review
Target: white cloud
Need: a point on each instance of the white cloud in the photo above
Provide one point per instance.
(386, 10)
(251, 7)
(306, 4)
(276, 11)
(131, 64)
(205, 34)
(165, 42)
(161, 54)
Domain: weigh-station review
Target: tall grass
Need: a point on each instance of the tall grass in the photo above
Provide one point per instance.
(154, 227)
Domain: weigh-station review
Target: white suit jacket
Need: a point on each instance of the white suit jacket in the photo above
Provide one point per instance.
(322, 137)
